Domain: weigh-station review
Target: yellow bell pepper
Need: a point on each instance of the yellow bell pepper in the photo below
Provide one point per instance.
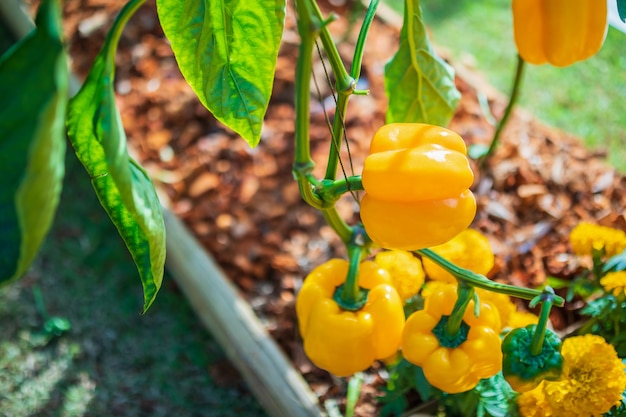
(559, 32)
(453, 363)
(416, 181)
(344, 342)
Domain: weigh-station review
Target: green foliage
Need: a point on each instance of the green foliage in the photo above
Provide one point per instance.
(404, 377)
(122, 186)
(616, 263)
(491, 397)
(419, 84)
(32, 141)
(227, 50)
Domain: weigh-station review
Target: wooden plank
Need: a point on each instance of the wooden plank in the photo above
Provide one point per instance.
(278, 387)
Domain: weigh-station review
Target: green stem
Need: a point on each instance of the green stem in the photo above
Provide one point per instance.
(351, 292)
(308, 28)
(334, 220)
(481, 281)
(355, 70)
(517, 81)
(115, 32)
(352, 396)
(547, 299)
(465, 294)
(344, 81)
(39, 303)
(331, 190)
(337, 135)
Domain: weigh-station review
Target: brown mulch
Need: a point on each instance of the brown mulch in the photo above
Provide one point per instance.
(244, 206)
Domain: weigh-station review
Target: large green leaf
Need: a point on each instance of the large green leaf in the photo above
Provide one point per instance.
(226, 50)
(33, 99)
(419, 84)
(122, 186)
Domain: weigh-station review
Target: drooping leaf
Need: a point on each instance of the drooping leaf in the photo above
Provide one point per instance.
(122, 186)
(419, 84)
(621, 9)
(226, 50)
(33, 99)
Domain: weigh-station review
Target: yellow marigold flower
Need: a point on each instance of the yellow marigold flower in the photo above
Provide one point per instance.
(533, 403)
(501, 302)
(593, 378)
(405, 269)
(519, 319)
(615, 282)
(470, 249)
(586, 237)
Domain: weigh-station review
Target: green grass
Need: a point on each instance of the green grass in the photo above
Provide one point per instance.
(114, 361)
(586, 99)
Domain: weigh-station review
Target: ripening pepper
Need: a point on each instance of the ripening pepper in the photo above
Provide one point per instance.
(559, 32)
(416, 181)
(453, 363)
(344, 342)
(523, 370)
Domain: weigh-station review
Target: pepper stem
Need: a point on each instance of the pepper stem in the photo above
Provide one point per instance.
(546, 298)
(476, 280)
(465, 294)
(350, 296)
(517, 81)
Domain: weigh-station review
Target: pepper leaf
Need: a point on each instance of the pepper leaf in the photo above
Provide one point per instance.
(419, 84)
(227, 50)
(621, 9)
(33, 99)
(124, 189)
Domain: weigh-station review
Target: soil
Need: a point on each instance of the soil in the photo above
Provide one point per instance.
(244, 206)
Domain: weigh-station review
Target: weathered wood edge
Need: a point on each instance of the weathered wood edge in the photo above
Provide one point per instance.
(278, 387)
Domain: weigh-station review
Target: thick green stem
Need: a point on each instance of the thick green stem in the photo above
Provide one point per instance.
(331, 190)
(350, 296)
(308, 28)
(337, 135)
(334, 220)
(546, 299)
(465, 294)
(481, 281)
(517, 81)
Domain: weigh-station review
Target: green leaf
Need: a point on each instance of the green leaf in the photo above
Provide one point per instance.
(419, 84)
(226, 50)
(122, 186)
(621, 10)
(33, 99)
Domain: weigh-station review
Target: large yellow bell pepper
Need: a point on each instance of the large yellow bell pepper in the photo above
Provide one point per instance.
(453, 363)
(344, 342)
(559, 32)
(416, 181)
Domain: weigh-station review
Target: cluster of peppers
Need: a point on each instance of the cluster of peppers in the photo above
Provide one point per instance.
(349, 311)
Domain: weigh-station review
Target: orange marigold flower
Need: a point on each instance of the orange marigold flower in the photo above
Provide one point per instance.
(470, 249)
(593, 378)
(614, 282)
(586, 237)
(533, 403)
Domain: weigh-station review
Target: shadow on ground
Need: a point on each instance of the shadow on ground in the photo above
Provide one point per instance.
(114, 361)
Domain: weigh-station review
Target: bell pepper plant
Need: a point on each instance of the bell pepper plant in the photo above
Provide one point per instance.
(413, 193)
